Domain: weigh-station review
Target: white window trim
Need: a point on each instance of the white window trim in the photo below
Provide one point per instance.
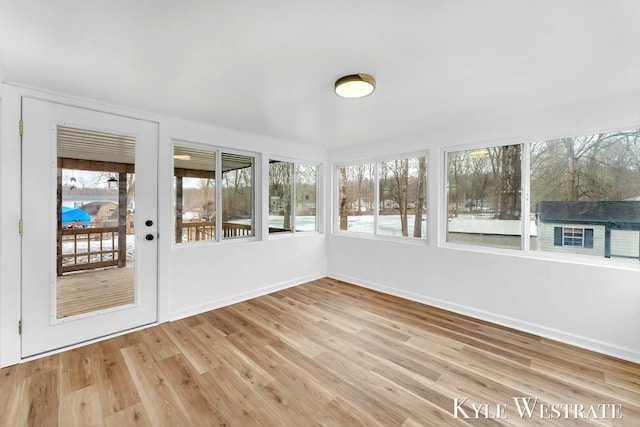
(335, 205)
(525, 250)
(256, 222)
(319, 201)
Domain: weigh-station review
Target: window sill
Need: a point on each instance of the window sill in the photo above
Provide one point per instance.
(382, 238)
(213, 243)
(292, 235)
(588, 260)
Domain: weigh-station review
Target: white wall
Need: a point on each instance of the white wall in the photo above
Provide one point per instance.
(593, 305)
(204, 277)
(191, 278)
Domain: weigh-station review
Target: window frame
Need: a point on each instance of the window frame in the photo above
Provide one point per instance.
(256, 205)
(525, 226)
(376, 161)
(525, 250)
(267, 184)
(586, 237)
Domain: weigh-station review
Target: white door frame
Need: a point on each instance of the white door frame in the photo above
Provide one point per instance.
(42, 332)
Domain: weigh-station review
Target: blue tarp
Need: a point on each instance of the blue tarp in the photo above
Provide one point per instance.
(74, 214)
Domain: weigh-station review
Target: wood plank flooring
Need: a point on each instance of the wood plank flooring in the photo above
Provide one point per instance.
(323, 353)
(91, 290)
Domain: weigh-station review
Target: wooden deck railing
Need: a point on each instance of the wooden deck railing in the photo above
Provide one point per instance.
(201, 230)
(85, 257)
(230, 229)
(205, 230)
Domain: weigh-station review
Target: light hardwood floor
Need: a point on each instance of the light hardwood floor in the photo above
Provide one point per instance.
(323, 353)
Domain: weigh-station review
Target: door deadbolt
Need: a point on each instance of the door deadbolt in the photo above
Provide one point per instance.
(148, 223)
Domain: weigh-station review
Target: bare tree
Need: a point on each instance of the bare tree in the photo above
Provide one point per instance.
(506, 166)
(456, 162)
(595, 167)
(280, 187)
(344, 200)
(399, 189)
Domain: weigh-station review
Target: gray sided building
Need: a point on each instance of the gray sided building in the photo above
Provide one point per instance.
(609, 228)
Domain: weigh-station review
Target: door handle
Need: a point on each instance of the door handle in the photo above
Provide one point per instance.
(149, 237)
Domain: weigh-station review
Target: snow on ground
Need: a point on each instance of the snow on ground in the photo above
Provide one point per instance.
(94, 246)
(388, 225)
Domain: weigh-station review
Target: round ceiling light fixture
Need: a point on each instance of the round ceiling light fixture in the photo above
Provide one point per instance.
(355, 85)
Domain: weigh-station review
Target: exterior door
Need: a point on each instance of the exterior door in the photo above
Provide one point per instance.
(89, 210)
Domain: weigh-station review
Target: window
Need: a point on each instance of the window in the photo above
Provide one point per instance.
(292, 182)
(237, 195)
(572, 236)
(386, 198)
(483, 201)
(356, 197)
(197, 201)
(585, 196)
(578, 237)
(306, 195)
(195, 194)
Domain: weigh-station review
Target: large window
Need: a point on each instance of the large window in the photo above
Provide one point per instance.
(583, 195)
(198, 204)
(484, 189)
(291, 182)
(385, 198)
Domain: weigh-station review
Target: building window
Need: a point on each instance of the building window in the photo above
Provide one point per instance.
(484, 196)
(197, 201)
(571, 236)
(386, 198)
(291, 182)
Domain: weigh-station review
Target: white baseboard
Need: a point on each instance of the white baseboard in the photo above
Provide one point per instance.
(542, 331)
(232, 299)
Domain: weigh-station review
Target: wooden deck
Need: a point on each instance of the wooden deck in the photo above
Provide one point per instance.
(325, 353)
(86, 291)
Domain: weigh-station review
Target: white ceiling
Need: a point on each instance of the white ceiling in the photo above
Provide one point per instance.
(268, 66)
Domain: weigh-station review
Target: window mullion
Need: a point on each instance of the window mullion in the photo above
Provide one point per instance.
(218, 178)
(376, 196)
(292, 210)
(525, 200)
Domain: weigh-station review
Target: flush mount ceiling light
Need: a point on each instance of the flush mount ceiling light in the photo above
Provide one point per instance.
(355, 85)
(182, 157)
